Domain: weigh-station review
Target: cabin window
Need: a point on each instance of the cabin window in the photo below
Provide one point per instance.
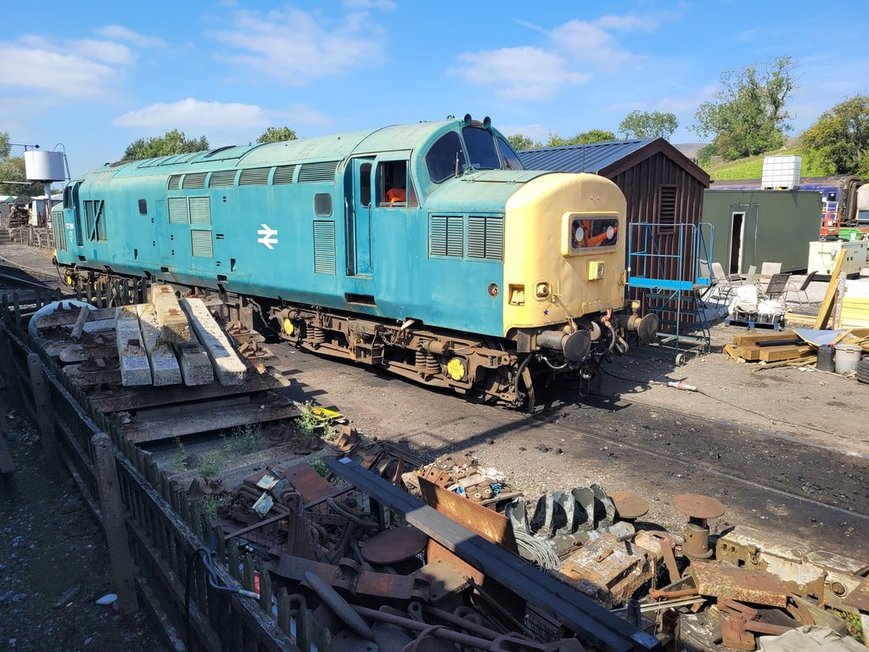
(481, 148)
(393, 184)
(323, 204)
(667, 209)
(508, 155)
(365, 184)
(445, 158)
(67, 197)
(143, 207)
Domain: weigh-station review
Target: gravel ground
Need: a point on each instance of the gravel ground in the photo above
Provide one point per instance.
(53, 563)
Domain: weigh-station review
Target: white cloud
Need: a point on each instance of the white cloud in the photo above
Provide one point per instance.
(191, 113)
(105, 51)
(570, 55)
(521, 73)
(61, 73)
(385, 5)
(121, 33)
(589, 44)
(294, 47)
(628, 22)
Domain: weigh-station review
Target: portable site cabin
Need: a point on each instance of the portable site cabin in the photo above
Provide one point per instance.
(757, 226)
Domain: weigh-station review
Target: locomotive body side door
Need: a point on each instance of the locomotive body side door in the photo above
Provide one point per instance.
(358, 221)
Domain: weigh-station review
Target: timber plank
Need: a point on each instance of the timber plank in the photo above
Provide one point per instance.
(135, 399)
(219, 419)
(779, 353)
(754, 338)
(826, 308)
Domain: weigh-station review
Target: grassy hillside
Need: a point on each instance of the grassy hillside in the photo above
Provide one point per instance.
(751, 167)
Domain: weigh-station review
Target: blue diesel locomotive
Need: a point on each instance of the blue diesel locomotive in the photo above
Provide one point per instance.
(425, 249)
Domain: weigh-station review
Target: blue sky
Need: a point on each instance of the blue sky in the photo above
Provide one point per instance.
(95, 76)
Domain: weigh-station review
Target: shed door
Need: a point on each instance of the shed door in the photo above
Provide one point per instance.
(359, 206)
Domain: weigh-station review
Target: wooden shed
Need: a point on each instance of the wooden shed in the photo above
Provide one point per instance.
(663, 188)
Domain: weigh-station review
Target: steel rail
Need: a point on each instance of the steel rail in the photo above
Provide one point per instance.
(702, 466)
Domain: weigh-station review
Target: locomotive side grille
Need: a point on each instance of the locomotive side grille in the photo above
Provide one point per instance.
(446, 235)
(254, 177)
(178, 211)
(222, 179)
(174, 182)
(324, 171)
(486, 237)
(283, 174)
(195, 180)
(200, 240)
(200, 210)
(324, 247)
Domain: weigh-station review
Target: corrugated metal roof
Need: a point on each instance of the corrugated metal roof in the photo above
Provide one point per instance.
(592, 157)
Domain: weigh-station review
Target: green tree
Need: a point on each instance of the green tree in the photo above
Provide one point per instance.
(747, 116)
(521, 142)
(839, 140)
(582, 138)
(172, 142)
(12, 173)
(276, 135)
(645, 124)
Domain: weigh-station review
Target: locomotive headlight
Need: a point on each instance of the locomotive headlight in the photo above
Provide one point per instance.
(541, 290)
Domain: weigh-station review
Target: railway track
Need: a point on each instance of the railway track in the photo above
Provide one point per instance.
(767, 479)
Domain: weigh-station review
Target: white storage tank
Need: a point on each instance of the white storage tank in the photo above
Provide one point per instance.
(781, 172)
(44, 166)
(863, 205)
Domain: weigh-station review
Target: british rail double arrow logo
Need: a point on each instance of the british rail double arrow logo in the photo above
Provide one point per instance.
(268, 236)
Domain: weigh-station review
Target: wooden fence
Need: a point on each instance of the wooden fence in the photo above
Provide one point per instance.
(157, 537)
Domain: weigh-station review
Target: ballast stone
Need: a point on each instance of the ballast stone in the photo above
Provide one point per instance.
(164, 364)
(133, 359)
(228, 367)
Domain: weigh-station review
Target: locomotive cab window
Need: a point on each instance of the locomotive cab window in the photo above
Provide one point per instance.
(508, 156)
(143, 207)
(446, 158)
(394, 187)
(481, 148)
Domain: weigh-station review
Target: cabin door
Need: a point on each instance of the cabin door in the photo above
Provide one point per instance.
(743, 234)
(359, 207)
(77, 214)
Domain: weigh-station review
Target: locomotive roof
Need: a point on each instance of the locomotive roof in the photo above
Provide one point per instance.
(324, 148)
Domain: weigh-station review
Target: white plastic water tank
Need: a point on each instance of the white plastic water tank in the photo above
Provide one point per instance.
(781, 172)
(44, 166)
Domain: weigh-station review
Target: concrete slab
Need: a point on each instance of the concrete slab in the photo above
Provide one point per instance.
(164, 365)
(195, 366)
(228, 367)
(133, 359)
(173, 322)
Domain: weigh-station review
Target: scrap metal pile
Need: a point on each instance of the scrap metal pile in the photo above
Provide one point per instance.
(386, 554)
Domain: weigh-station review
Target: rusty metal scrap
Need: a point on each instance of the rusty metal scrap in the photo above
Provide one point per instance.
(349, 576)
(720, 580)
(609, 570)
